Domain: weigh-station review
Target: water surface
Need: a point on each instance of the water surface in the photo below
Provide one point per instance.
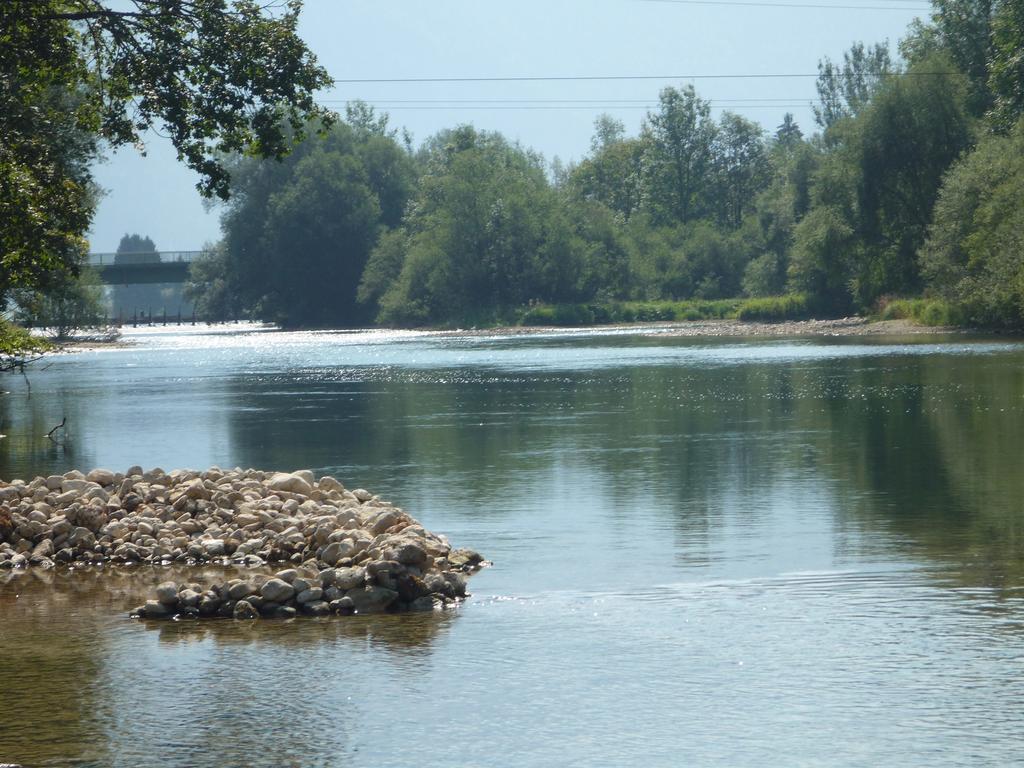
(706, 552)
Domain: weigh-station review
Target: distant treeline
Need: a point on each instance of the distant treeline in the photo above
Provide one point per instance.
(911, 186)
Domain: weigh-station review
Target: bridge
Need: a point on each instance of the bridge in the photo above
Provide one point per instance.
(142, 268)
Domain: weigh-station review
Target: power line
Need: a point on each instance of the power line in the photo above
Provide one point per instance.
(540, 101)
(752, 3)
(552, 107)
(596, 78)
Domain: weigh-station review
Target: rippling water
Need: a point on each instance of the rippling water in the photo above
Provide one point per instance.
(707, 552)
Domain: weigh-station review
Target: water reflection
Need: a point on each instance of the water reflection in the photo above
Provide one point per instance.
(922, 448)
(49, 596)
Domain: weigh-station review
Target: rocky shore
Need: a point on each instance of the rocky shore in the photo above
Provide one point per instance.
(347, 551)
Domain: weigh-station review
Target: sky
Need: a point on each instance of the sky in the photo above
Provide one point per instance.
(734, 52)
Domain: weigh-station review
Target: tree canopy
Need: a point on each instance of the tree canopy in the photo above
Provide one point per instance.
(217, 76)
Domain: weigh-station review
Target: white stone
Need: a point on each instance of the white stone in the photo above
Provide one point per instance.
(289, 483)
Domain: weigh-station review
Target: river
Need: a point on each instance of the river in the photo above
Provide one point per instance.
(707, 552)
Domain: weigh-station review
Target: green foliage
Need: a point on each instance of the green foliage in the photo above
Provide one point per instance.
(70, 304)
(16, 343)
(298, 234)
(844, 90)
(1006, 57)
(741, 168)
(678, 156)
(932, 312)
(770, 308)
(822, 248)
(764, 276)
(217, 76)
(974, 255)
(767, 309)
(613, 174)
(908, 136)
(208, 287)
(873, 194)
(485, 230)
(665, 225)
(128, 300)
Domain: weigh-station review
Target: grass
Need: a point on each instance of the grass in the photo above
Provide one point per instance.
(931, 312)
(792, 307)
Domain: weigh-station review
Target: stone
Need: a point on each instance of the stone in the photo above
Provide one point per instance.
(423, 604)
(409, 553)
(411, 588)
(285, 612)
(333, 593)
(167, 593)
(241, 590)
(101, 477)
(288, 575)
(351, 551)
(328, 484)
(457, 582)
(41, 550)
(382, 522)
(277, 590)
(244, 610)
(306, 475)
(209, 605)
(316, 608)
(343, 605)
(196, 490)
(371, 599)
(310, 595)
(464, 559)
(349, 578)
(81, 538)
(154, 609)
(214, 547)
(290, 483)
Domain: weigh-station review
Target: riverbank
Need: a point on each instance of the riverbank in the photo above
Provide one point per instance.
(846, 326)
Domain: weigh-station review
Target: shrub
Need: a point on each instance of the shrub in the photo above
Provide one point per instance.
(791, 307)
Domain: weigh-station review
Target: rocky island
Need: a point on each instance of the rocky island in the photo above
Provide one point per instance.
(345, 551)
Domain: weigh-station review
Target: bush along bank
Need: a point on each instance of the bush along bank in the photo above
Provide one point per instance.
(771, 308)
(348, 551)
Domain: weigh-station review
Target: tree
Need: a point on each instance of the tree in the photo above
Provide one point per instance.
(788, 133)
(298, 233)
(208, 287)
(71, 303)
(902, 144)
(843, 91)
(1006, 76)
(741, 168)
(678, 141)
(962, 31)
(484, 234)
(974, 254)
(613, 174)
(135, 249)
(130, 300)
(778, 210)
(217, 76)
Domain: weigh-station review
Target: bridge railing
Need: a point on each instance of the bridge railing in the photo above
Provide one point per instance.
(145, 257)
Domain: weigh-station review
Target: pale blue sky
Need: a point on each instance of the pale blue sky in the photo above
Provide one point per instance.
(356, 39)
